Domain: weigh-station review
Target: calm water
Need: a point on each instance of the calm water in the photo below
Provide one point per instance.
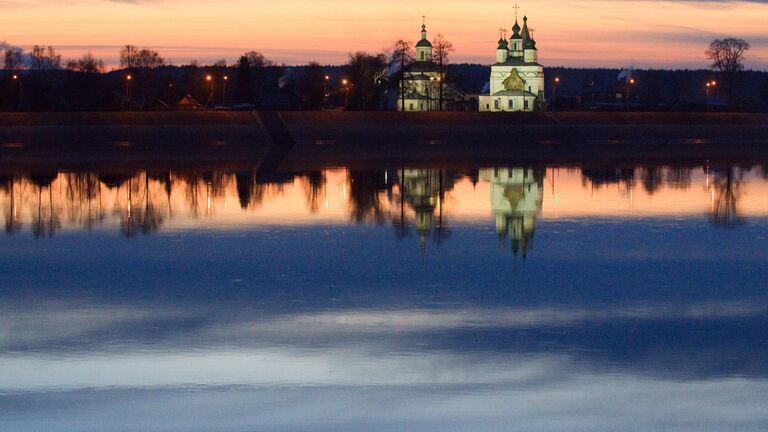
(482, 299)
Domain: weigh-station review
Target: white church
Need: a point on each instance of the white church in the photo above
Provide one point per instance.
(517, 79)
(423, 80)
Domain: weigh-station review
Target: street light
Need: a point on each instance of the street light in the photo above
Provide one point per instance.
(224, 90)
(630, 82)
(345, 83)
(128, 79)
(209, 78)
(554, 90)
(709, 86)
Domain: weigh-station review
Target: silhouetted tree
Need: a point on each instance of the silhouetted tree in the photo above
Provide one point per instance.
(45, 58)
(86, 64)
(402, 56)
(13, 60)
(244, 80)
(313, 87)
(441, 51)
(365, 72)
(728, 56)
(727, 185)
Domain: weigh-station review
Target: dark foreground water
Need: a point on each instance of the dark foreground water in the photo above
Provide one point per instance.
(488, 299)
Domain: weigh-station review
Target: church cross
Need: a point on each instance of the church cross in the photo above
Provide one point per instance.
(423, 20)
(517, 9)
(532, 31)
(502, 33)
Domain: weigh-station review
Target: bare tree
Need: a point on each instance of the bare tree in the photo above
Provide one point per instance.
(13, 59)
(402, 56)
(441, 51)
(728, 56)
(45, 58)
(257, 60)
(132, 57)
(86, 64)
(129, 57)
(221, 63)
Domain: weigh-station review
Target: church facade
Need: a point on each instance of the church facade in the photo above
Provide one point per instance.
(422, 81)
(517, 79)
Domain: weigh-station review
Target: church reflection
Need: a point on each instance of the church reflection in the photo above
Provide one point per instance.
(423, 205)
(516, 201)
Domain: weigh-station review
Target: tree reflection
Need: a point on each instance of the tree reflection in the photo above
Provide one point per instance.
(364, 200)
(727, 185)
(45, 220)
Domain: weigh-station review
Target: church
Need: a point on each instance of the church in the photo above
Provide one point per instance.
(422, 81)
(517, 79)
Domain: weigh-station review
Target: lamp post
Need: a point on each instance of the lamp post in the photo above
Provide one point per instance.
(630, 82)
(17, 78)
(709, 86)
(345, 83)
(128, 79)
(224, 89)
(325, 90)
(554, 91)
(209, 78)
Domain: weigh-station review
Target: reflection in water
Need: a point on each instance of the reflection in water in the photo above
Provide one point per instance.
(422, 198)
(280, 301)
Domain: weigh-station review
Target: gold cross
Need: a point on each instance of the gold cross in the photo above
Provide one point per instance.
(423, 20)
(516, 8)
(502, 33)
(532, 31)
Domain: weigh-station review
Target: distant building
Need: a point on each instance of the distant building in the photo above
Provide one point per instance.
(422, 81)
(517, 79)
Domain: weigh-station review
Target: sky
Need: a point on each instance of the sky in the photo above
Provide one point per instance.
(588, 33)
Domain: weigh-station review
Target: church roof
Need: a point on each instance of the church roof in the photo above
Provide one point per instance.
(516, 30)
(526, 33)
(503, 44)
(424, 43)
(423, 66)
(516, 61)
(515, 93)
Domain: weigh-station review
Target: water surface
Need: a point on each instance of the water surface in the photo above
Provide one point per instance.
(401, 298)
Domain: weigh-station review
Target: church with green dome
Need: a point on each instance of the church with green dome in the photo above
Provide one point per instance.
(517, 79)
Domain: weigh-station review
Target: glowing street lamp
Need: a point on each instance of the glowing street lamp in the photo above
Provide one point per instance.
(224, 90)
(345, 83)
(709, 86)
(630, 82)
(128, 79)
(209, 78)
(554, 90)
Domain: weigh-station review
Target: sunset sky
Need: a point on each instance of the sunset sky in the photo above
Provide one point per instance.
(613, 33)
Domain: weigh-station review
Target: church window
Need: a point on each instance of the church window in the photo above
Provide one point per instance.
(410, 107)
(496, 104)
(421, 106)
(526, 104)
(422, 55)
(511, 104)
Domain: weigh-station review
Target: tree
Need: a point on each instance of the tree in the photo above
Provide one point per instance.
(13, 59)
(441, 51)
(132, 57)
(402, 56)
(257, 60)
(221, 63)
(86, 64)
(45, 58)
(129, 55)
(728, 56)
(244, 80)
(313, 87)
(365, 72)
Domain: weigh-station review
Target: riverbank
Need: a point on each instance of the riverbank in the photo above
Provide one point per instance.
(311, 140)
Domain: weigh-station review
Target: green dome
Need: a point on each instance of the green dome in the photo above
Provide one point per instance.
(503, 44)
(424, 43)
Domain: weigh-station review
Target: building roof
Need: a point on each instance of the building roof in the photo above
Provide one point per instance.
(422, 66)
(514, 93)
(503, 44)
(516, 61)
(516, 30)
(424, 43)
